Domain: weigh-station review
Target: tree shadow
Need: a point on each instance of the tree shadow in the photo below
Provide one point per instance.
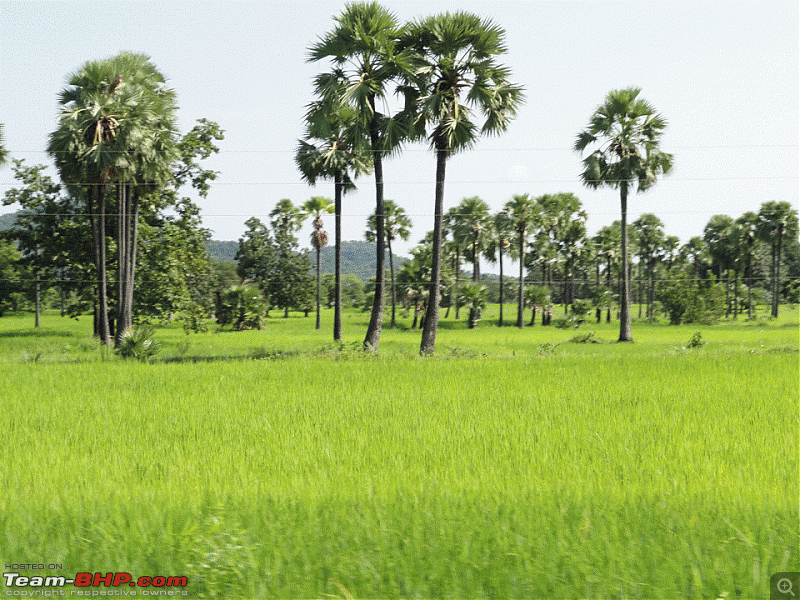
(36, 333)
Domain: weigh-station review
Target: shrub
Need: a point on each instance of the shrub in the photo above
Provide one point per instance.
(139, 343)
(242, 307)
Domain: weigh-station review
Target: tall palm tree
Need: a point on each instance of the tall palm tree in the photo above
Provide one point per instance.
(625, 131)
(396, 225)
(522, 210)
(333, 150)
(117, 132)
(457, 73)
(364, 51)
(315, 207)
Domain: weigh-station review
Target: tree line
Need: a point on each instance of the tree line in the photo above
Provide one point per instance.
(122, 165)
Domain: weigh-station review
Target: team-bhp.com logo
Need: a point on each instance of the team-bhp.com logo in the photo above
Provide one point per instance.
(35, 585)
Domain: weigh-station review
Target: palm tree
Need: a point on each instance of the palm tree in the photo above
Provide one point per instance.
(627, 131)
(502, 230)
(396, 225)
(473, 296)
(363, 48)
(316, 206)
(522, 210)
(748, 235)
(117, 131)
(332, 150)
(607, 243)
(457, 72)
(776, 221)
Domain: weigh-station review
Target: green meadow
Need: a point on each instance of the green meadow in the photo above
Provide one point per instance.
(535, 463)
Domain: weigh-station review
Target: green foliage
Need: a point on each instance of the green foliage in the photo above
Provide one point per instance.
(580, 309)
(696, 340)
(139, 343)
(242, 307)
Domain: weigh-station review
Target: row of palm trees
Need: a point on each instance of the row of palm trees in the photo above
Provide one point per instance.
(445, 70)
(453, 90)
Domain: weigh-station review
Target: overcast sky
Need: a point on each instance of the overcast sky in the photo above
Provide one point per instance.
(724, 75)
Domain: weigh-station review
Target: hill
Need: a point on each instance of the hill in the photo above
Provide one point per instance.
(358, 258)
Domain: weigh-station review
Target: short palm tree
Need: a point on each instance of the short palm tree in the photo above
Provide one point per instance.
(625, 132)
(396, 225)
(473, 297)
(315, 207)
(457, 73)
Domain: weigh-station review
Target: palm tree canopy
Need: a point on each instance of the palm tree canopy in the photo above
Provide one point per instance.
(364, 49)
(395, 222)
(626, 130)
(456, 74)
(117, 123)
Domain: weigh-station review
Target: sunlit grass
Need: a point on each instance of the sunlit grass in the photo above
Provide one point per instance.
(515, 464)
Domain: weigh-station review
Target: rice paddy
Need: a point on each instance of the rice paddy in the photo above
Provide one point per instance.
(275, 464)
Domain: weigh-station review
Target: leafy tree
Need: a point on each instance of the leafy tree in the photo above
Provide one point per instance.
(457, 75)
(316, 206)
(175, 277)
(626, 131)
(396, 224)
(366, 56)
(9, 275)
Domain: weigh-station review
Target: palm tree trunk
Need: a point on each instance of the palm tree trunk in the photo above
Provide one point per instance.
(458, 272)
(776, 294)
(373, 337)
(500, 322)
(520, 302)
(122, 260)
(105, 333)
(428, 343)
(337, 253)
(625, 299)
(319, 324)
(391, 273)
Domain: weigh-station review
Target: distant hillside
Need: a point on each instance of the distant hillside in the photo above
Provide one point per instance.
(7, 220)
(222, 251)
(358, 257)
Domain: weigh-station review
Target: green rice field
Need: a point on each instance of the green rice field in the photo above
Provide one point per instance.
(514, 464)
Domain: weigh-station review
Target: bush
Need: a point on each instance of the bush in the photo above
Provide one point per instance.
(242, 307)
(139, 343)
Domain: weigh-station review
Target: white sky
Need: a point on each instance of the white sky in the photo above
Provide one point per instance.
(724, 74)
